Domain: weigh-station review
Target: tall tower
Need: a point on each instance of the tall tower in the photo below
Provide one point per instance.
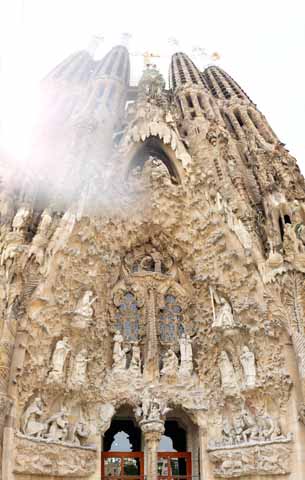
(152, 268)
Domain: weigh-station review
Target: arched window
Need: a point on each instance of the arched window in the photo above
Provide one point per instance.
(170, 320)
(128, 317)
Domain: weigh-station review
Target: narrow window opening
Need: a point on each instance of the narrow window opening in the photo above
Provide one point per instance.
(193, 114)
(287, 219)
(200, 102)
(238, 118)
(189, 101)
(281, 228)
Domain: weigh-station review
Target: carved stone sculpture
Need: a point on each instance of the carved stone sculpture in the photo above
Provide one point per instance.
(79, 370)
(186, 355)
(247, 360)
(135, 363)
(119, 353)
(224, 318)
(256, 460)
(80, 433)
(55, 460)
(228, 378)
(59, 357)
(84, 311)
(57, 430)
(170, 364)
(31, 422)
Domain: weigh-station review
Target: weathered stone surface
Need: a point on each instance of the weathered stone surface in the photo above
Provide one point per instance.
(50, 459)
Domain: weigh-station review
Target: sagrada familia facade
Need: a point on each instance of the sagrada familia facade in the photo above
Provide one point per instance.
(152, 269)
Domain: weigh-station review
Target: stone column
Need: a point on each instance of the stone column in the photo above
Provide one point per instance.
(152, 431)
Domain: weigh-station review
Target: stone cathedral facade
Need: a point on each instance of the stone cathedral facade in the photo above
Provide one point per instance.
(152, 283)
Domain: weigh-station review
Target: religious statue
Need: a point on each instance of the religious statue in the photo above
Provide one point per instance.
(31, 423)
(58, 427)
(228, 378)
(247, 361)
(170, 363)
(84, 311)
(186, 355)
(80, 432)
(78, 376)
(119, 352)
(224, 318)
(135, 364)
(58, 360)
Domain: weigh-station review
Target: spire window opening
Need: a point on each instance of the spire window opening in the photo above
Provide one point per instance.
(238, 118)
(199, 97)
(211, 85)
(181, 71)
(189, 101)
(229, 124)
(190, 69)
(180, 106)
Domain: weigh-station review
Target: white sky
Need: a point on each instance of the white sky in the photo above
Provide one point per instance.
(261, 43)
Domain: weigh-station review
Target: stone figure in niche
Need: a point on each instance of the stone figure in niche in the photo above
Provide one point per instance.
(119, 352)
(58, 360)
(170, 363)
(80, 433)
(31, 423)
(58, 427)
(84, 311)
(79, 370)
(224, 318)
(247, 361)
(186, 355)
(135, 364)
(228, 379)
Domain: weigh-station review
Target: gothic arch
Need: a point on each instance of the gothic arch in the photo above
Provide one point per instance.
(153, 146)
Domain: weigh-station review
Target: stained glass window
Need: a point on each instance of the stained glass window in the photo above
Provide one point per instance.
(128, 317)
(170, 317)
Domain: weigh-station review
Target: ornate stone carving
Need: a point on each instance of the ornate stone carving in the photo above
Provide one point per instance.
(272, 459)
(246, 428)
(119, 353)
(79, 368)
(84, 311)
(228, 378)
(31, 420)
(57, 427)
(135, 363)
(247, 360)
(33, 458)
(186, 355)
(170, 364)
(59, 357)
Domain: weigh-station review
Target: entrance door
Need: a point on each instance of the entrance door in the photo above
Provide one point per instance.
(122, 465)
(174, 465)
